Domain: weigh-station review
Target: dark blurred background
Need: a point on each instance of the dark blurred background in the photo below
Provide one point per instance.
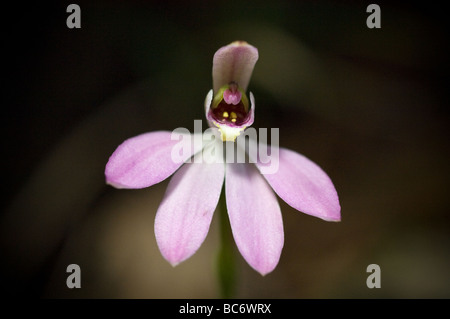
(370, 106)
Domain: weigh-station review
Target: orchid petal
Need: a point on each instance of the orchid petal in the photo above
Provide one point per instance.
(146, 159)
(255, 217)
(184, 215)
(304, 185)
(234, 63)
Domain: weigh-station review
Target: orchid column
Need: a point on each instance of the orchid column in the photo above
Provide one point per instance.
(229, 110)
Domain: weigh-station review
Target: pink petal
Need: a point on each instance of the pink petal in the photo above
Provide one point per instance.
(146, 159)
(255, 217)
(234, 62)
(184, 215)
(304, 185)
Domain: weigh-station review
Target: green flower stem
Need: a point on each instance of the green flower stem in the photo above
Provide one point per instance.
(225, 262)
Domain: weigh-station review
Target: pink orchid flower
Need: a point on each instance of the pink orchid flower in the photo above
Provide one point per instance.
(184, 216)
